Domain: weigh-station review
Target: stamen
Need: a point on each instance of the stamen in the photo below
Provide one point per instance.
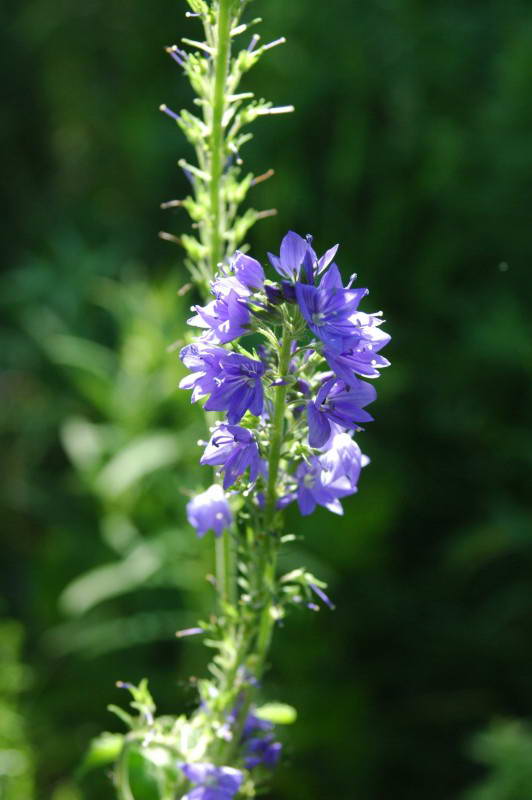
(281, 40)
(264, 177)
(275, 110)
(253, 43)
(168, 111)
(169, 237)
(179, 56)
(269, 212)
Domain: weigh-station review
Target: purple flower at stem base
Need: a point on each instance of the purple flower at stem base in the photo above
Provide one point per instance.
(210, 511)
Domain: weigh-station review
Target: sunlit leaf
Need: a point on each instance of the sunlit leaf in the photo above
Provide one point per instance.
(277, 713)
(82, 441)
(110, 580)
(73, 351)
(139, 458)
(104, 749)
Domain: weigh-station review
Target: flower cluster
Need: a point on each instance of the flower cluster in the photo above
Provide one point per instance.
(260, 747)
(210, 782)
(334, 349)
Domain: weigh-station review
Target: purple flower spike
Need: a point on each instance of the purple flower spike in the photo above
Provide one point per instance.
(293, 250)
(212, 783)
(235, 450)
(210, 511)
(336, 402)
(239, 388)
(248, 271)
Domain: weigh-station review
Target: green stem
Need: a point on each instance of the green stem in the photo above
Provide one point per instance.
(270, 544)
(225, 568)
(122, 775)
(267, 545)
(224, 556)
(221, 59)
(277, 429)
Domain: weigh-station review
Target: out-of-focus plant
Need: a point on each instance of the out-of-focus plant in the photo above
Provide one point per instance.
(505, 750)
(110, 395)
(16, 758)
(122, 447)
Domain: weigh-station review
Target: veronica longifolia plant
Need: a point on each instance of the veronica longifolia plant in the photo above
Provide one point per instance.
(282, 365)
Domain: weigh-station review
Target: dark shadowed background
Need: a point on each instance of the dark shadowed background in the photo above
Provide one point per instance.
(411, 145)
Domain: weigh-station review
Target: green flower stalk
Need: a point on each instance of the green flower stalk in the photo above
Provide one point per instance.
(215, 72)
(277, 368)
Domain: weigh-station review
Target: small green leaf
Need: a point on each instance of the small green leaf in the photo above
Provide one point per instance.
(104, 749)
(126, 718)
(277, 713)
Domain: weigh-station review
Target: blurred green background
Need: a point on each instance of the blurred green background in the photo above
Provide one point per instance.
(412, 146)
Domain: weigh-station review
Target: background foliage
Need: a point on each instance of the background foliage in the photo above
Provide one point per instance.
(411, 146)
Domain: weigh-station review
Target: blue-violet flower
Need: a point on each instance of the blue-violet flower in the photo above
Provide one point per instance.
(336, 402)
(363, 358)
(328, 310)
(232, 380)
(224, 319)
(239, 388)
(210, 511)
(288, 262)
(204, 362)
(235, 450)
(212, 783)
